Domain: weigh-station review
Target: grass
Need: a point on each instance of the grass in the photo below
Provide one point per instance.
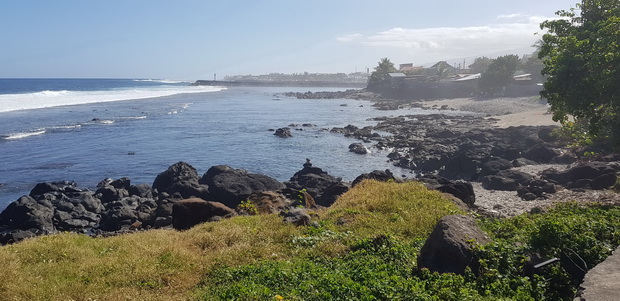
(168, 265)
(364, 247)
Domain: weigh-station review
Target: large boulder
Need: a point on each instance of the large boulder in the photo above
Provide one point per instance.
(182, 179)
(29, 214)
(232, 186)
(25, 218)
(540, 153)
(507, 180)
(461, 166)
(378, 175)
(595, 175)
(323, 188)
(283, 132)
(190, 212)
(449, 247)
(358, 148)
(460, 189)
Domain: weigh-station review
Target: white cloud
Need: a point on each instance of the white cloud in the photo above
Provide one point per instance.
(516, 31)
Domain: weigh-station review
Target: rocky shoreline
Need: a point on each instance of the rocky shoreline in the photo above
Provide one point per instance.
(504, 147)
(494, 171)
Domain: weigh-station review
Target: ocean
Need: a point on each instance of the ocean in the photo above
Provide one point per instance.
(86, 130)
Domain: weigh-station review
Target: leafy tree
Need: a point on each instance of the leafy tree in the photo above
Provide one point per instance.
(533, 65)
(498, 74)
(581, 52)
(379, 79)
(480, 64)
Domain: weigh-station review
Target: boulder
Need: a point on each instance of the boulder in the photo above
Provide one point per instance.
(462, 167)
(54, 187)
(323, 187)
(540, 153)
(283, 133)
(296, 216)
(29, 214)
(182, 179)
(358, 148)
(595, 175)
(231, 186)
(460, 189)
(493, 166)
(268, 202)
(507, 180)
(449, 247)
(378, 175)
(190, 212)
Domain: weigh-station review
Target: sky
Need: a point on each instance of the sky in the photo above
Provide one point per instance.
(192, 39)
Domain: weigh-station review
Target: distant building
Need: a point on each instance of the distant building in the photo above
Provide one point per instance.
(409, 67)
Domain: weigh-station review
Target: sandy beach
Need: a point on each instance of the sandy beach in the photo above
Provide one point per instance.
(508, 111)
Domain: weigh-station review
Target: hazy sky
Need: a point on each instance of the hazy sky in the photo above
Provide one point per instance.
(191, 39)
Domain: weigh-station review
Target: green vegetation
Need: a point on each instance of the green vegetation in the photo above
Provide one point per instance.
(379, 80)
(480, 64)
(581, 53)
(499, 74)
(362, 248)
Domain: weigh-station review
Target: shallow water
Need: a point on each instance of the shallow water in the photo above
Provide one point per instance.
(140, 138)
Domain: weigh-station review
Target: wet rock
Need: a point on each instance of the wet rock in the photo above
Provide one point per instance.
(358, 148)
(283, 133)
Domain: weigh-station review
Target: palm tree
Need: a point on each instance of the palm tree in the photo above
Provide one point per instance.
(379, 79)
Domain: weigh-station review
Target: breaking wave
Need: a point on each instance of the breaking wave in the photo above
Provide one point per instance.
(47, 99)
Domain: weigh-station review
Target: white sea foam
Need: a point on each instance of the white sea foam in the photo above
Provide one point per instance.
(46, 99)
(134, 117)
(65, 127)
(16, 136)
(163, 81)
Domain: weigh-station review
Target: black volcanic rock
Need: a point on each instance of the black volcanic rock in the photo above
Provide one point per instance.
(323, 187)
(232, 186)
(180, 178)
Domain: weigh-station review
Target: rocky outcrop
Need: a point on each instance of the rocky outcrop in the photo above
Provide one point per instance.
(449, 247)
(190, 212)
(358, 148)
(462, 190)
(323, 187)
(232, 186)
(378, 175)
(283, 133)
(180, 179)
(594, 175)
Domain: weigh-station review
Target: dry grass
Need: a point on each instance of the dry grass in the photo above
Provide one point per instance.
(168, 265)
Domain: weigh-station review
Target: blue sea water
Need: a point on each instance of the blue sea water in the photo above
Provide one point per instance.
(86, 130)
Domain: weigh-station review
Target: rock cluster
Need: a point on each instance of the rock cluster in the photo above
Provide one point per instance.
(469, 148)
(178, 198)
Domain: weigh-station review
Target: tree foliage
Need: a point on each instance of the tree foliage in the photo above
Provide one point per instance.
(581, 52)
(379, 79)
(498, 74)
(480, 64)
